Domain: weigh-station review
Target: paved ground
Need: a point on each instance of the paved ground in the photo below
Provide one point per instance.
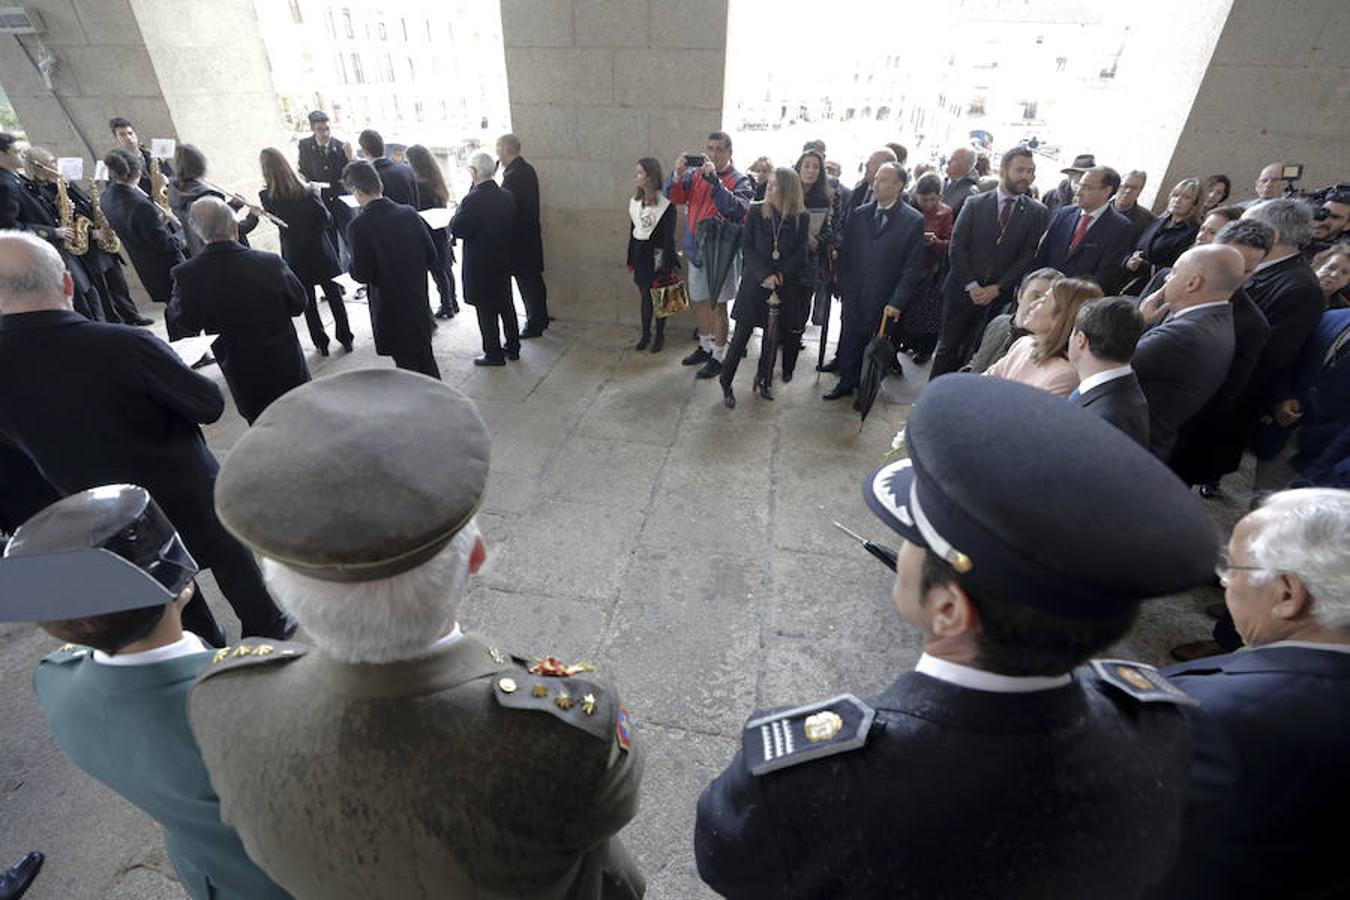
(633, 521)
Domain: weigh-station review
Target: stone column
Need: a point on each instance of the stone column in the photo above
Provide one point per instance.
(1277, 89)
(594, 86)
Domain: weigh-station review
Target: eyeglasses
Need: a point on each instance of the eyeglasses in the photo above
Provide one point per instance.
(1224, 569)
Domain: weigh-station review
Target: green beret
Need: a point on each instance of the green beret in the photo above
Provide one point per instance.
(356, 476)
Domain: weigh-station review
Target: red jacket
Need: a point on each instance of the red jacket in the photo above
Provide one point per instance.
(728, 197)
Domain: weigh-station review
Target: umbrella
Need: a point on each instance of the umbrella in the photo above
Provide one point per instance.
(876, 363)
(820, 312)
(719, 240)
(889, 558)
(769, 346)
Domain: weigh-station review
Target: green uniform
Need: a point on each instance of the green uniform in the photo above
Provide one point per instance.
(127, 726)
(459, 774)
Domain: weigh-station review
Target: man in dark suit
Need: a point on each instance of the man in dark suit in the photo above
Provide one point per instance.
(527, 248)
(991, 248)
(1183, 358)
(881, 261)
(1088, 239)
(127, 139)
(129, 414)
(153, 243)
(400, 185)
(486, 223)
(322, 159)
(862, 191)
(1100, 349)
(247, 297)
(961, 180)
(392, 252)
(1004, 736)
(1272, 731)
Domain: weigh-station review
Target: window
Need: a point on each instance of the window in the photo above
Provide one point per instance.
(388, 67)
(412, 70)
(358, 75)
(347, 24)
(419, 112)
(329, 23)
(384, 35)
(295, 12)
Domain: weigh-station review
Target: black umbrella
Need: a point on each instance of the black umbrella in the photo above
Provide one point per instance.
(876, 363)
(769, 346)
(820, 315)
(719, 240)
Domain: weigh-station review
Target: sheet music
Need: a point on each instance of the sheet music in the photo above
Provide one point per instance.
(191, 349)
(439, 217)
(100, 171)
(70, 167)
(162, 148)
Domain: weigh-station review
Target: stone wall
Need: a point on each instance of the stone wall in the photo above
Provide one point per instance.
(1277, 88)
(594, 86)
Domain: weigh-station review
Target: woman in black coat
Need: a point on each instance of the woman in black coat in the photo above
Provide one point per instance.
(652, 217)
(775, 251)
(432, 193)
(1166, 237)
(306, 244)
(188, 187)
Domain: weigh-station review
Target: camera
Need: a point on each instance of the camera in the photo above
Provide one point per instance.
(1292, 172)
(695, 160)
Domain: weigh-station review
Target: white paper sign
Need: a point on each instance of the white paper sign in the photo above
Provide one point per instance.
(191, 349)
(70, 167)
(350, 201)
(162, 148)
(100, 171)
(321, 185)
(438, 217)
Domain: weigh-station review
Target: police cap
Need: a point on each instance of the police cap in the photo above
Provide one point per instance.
(356, 476)
(1034, 501)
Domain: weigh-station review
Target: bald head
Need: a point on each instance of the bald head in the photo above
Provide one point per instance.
(1270, 183)
(1204, 275)
(212, 219)
(32, 275)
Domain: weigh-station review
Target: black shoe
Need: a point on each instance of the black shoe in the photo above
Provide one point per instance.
(142, 321)
(698, 356)
(360, 293)
(763, 389)
(445, 313)
(838, 393)
(322, 348)
(711, 369)
(896, 370)
(787, 376)
(1209, 489)
(15, 880)
(207, 360)
(347, 344)
(434, 324)
(511, 354)
(489, 360)
(659, 341)
(831, 366)
(728, 398)
(922, 357)
(644, 341)
(530, 333)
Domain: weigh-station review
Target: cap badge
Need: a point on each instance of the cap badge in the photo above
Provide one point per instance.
(822, 726)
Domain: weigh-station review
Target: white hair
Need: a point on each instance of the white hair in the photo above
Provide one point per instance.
(483, 164)
(381, 621)
(34, 271)
(210, 217)
(1306, 533)
(1291, 219)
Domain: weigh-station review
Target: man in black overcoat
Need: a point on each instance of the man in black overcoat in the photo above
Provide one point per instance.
(486, 223)
(392, 253)
(992, 245)
(149, 238)
(248, 298)
(128, 413)
(527, 247)
(1089, 238)
(880, 263)
(322, 159)
(400, 185)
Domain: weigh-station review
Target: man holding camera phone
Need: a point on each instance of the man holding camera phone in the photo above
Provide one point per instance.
(709, 186)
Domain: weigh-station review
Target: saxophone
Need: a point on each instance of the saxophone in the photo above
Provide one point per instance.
(79, 244)
(109, 242)
(159, 188)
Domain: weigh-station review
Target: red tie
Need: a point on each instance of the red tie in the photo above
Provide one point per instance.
(1081, 230)
(1004, 214)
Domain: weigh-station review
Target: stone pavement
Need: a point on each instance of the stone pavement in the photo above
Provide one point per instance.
(632, 521)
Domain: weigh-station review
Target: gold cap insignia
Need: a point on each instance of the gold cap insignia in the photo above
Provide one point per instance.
(508, 685)
(563, 700)
(221, 654)
(496, 655)
(1136, 678)
(962, 563)
(588, 704)
(822, 726)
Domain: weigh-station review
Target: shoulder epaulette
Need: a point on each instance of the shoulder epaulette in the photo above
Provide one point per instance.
(580, 702)
(786, 738)
(250, 654)
(1141, 682)
(67, 654)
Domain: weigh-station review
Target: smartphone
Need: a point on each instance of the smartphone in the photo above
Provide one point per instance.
(695, 160)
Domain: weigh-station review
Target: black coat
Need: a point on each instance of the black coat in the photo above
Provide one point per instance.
(1120, 402)
(486, 222)
(1288, 294)
(23, 208)
(324, 165)
(757, 245)
(643, 255)
(1161, 243)
(306, 244)
(1097, 255)
(400, 185)
(1181, 363)
(181, 198)
(956, 193)
(977, 253)
(392, 253)
(527, 250)
(959, 793)
(247, 297)
(127, 413)
(878, 269)
(1271, 737)
(154, 246)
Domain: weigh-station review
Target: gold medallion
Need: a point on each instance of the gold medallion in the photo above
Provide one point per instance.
(822, 726)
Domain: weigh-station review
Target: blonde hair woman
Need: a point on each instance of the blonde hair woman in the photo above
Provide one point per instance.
(1166, 237)
(1041, 358)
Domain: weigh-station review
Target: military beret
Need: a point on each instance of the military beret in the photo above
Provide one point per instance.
(356, 476)
(1035, 501)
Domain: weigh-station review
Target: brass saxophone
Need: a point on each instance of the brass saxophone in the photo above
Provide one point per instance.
(109, 242)
(159, 188)
(79, 244)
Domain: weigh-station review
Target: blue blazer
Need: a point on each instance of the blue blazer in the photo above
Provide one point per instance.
(1097, 255)
(1269, 785)
(1181, 363)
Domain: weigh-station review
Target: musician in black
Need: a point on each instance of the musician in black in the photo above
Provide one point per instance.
(149, 234)
(322, 159)
(190, 185)
(128, 140)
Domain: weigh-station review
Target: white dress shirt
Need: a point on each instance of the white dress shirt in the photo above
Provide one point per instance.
(980, 680)
(1100, 378)
(186, 645)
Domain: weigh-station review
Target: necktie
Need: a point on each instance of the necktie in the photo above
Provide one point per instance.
(1004, 214)
(1083, 222)
(881, 218)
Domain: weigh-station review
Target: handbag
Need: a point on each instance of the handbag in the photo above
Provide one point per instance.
(669, 294)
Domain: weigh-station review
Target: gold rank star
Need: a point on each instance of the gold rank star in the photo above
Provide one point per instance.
(539, 691)
(563, 700)
(588, 704)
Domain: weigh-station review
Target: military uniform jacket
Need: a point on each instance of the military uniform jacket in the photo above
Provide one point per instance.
(127, 727)
(456, 775)
(948, 792)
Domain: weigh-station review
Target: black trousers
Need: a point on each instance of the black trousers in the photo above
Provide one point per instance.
(315, 322)
(236, 571)
(422, 360)
(443, 274)
(740, 338)
(962, 324)
(492, 333)
(534, 294)
(117, 303)
(645, 305)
